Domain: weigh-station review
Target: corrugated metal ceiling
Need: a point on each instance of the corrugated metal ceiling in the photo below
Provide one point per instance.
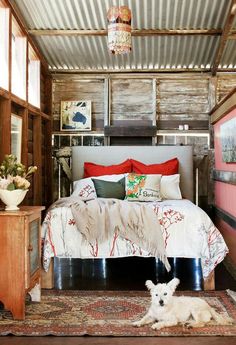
(149, 52)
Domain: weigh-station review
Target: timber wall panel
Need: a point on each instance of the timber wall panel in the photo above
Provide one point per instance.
(131, 100)
(76, 89)
(42, 93)
(224, 85)
(183, 101)
(30, 158)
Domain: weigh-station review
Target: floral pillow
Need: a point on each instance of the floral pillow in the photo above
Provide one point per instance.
(140, 187)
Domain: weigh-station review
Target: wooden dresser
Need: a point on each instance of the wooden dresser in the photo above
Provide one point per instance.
(20, 258)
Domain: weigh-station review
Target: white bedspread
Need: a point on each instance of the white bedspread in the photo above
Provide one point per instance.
(187, 231)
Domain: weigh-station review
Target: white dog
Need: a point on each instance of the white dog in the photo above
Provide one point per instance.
(168, 310)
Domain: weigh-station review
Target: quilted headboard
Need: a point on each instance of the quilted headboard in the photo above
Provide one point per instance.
(107, 155)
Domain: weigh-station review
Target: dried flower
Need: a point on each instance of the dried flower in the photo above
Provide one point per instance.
(14, 175)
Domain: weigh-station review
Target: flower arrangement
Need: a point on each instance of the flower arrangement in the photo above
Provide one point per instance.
(14, 175)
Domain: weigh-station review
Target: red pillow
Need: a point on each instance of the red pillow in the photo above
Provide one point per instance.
(169, 167)
(92, 169)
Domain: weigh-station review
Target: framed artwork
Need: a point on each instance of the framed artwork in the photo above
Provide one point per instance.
(76, 116)
(228, 141)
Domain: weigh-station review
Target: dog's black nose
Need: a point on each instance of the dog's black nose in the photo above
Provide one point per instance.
(161, 302)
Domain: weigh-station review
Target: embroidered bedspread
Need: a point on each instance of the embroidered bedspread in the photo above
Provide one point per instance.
(187, 232)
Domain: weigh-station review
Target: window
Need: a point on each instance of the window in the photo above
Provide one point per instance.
(18, 61)
(4, 45)
(33, 78)
(16, 136)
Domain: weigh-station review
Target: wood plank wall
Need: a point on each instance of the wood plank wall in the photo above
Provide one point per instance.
(72, 88)
(183, 100)
(131, 102)
(143, 99)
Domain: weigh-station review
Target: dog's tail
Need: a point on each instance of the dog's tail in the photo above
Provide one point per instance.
(220, 319)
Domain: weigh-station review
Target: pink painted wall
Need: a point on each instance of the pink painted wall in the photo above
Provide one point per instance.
(229, 235)
(225, 197)
(225, 194)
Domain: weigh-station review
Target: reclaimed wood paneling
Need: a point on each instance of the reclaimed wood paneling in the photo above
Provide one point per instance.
(174, 124)
(183, 100)
(132, 99)
(79, 89)
(225, 84)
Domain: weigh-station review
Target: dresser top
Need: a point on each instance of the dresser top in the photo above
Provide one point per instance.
(23, 211)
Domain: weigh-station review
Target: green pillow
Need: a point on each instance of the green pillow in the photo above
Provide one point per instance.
(109, 189)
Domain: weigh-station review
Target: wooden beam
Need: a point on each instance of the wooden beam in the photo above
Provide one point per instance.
(225, 176)
(227, 104)
(232, 35)
(134, 32)
(225, 216)
(133, 70)
(224, 36)
(123, 131)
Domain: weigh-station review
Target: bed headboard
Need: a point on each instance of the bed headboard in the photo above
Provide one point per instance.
(107, 155)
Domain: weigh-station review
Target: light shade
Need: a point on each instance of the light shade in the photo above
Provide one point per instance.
(119, 29)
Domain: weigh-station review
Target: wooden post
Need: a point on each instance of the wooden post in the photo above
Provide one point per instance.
(37, 154)
(5, 127)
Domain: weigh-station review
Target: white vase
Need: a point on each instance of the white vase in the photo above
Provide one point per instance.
(12, 198)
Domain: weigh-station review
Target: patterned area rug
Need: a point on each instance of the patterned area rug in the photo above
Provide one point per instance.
(107, 313)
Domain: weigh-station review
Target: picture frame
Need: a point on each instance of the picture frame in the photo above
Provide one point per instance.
(76, 115)
(228, 141)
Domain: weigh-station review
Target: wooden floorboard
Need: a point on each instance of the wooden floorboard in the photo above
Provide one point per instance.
(118, 341)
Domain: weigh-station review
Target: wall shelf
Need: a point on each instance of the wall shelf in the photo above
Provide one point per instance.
(134, 131)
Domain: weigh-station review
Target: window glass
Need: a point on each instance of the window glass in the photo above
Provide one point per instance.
(4, 46)
(18, 61)
(33, 78)
(16, 136)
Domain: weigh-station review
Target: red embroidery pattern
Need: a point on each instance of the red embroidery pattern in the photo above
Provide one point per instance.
(169, 217)
(94, 249)
(86, 191)
(71, 222)
(113, 243)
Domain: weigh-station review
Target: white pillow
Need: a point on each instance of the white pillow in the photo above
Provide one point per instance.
(85, 189)
(170, 187)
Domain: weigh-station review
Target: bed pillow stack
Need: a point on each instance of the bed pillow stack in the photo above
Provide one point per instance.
(169, 184)
(130, 179)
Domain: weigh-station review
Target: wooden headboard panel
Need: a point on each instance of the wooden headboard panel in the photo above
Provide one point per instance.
(107, 155)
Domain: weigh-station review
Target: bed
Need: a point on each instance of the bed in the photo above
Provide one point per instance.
(187, 230)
